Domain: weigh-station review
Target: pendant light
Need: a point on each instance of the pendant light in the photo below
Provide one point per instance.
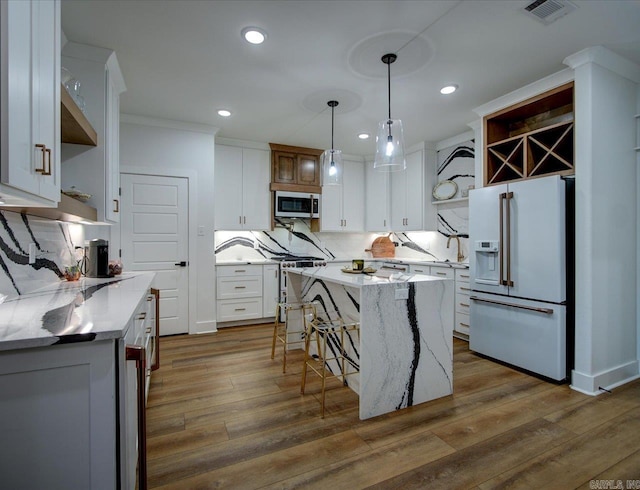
(332, 159)
(390, 139)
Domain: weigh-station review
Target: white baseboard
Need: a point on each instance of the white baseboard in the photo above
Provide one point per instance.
(205, 327)
(610, 379)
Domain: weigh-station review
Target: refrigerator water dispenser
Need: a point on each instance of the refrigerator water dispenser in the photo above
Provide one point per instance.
(487, 262)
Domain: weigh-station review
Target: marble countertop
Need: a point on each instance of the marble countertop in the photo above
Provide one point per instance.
(336, 275)
(395, 260)
(66, 312)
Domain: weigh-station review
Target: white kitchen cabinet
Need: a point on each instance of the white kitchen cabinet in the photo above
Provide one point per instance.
(376, 200)
(463, 292)
(142, 332)
(342, 206)
(407, 194)
(241, 188)
(58, 418)
(30, 103)
(96, 170)
(69, 413)
(239, 292)
(270, 289)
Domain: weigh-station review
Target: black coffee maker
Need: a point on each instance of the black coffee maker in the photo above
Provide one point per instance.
(97, 255)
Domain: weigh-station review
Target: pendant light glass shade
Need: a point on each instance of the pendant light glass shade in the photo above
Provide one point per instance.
(390, 137)
(390, 147)
(332, 159)
(332, 167)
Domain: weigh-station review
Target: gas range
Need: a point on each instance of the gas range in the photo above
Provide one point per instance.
(295, 261)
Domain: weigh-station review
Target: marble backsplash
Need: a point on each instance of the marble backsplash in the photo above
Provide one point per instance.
(301, 241)
(54, 242)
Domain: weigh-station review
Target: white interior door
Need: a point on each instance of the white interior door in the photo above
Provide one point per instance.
(155, 238)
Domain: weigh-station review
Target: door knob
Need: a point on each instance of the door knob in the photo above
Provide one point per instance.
(181, 264)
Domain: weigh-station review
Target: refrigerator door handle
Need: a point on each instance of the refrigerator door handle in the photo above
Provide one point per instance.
(509, 196)
(546, 311)
(502, 198)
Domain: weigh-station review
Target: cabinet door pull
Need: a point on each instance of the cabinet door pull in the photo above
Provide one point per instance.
(463, 276)
(441, 273)
(384, 223)
(138, 354)
(156, 344)
(240, 270)
(48, 169)
(43, 149)
(148, 330)
(239, 220)
(240, 287)
(117, 205)
(464, 304)
(240, 309)
(244, 220)
(465, 289)
(142, 315)
(464, 325)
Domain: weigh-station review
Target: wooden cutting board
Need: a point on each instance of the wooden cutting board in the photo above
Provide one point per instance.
(382, 247)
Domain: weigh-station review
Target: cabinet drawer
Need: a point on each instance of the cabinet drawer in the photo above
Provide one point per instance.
(239, 287)
(463, 288)
(463, 275)
(419, 269)
(239, 309)
(462, 303)
(442, 272)
(462, 323)
(238, 270)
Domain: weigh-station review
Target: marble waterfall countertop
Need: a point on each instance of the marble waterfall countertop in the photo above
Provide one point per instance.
(368, 260)
(403, 352)
(66, 312)
(335, 274)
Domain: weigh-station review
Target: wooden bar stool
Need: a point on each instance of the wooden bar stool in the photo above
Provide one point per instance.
(330, 332)
(281, 331)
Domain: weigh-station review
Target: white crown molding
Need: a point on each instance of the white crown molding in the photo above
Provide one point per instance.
(607, 59)
(255, 145)
(526, 92)
(475, 125)
(168, 124)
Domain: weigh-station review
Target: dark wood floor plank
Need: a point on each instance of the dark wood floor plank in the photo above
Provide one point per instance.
(481, 426)
(277, 466)
(222, 414)
(372, 467)
(577, 461)
(470, 466)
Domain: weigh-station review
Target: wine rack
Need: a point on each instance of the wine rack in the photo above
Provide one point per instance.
(531, 139)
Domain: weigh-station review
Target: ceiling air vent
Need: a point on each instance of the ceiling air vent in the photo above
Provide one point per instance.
(547, 11)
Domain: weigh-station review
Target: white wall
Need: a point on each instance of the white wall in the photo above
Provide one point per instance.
(172, 148)
(606, 220)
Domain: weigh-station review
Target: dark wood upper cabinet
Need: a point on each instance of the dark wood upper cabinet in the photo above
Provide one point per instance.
(295, 168)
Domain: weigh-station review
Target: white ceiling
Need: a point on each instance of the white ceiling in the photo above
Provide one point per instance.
(184, 59)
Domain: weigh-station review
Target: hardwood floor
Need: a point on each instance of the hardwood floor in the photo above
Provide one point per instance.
(221, 414)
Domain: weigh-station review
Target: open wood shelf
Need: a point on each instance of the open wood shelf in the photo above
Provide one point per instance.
(74, 125)
(531, 139)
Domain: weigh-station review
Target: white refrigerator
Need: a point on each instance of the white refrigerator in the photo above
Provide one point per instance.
(518, 269)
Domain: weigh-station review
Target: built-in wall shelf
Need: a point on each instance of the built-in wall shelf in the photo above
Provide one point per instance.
(74, 125)
(69, 209)
(448, 201)
(532, 138)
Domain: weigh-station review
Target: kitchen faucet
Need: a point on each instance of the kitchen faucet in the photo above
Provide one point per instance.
(460, 256)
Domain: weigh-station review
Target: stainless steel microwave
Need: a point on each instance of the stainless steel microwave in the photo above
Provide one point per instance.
(297, 205)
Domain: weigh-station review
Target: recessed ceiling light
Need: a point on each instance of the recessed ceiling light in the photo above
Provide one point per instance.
(224, 113)
(363, 136)
(449, 89)
(254, 35)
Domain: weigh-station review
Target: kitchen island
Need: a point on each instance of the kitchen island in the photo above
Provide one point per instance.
(404, 350)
